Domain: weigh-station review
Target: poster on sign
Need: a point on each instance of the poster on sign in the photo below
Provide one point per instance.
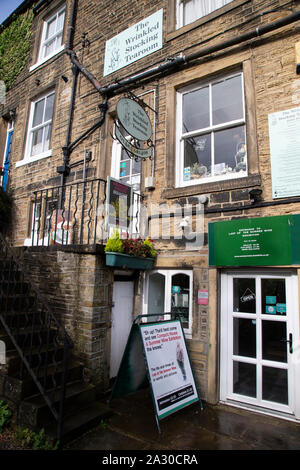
(156, 354)
(169, 367)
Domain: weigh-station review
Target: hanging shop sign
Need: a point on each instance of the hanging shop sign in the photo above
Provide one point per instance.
(134, 43)
(263, 241)
(156, 352)
(119, 199)
(132, 149)
(134, 119)
(284, 133)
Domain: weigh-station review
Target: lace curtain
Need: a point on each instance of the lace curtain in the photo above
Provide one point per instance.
(194, 9)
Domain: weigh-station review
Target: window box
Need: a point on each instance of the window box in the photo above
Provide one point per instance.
(122, 260)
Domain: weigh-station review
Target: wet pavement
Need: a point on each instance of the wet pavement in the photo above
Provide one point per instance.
(132, 426)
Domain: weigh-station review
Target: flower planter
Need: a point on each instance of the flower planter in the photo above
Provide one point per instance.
(122, 260)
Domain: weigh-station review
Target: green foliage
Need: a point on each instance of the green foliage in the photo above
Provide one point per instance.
(148, 244)
(6, 202)
(130, 246)
(114, 243)
(36, 441)
(15, 47)
(5, 415)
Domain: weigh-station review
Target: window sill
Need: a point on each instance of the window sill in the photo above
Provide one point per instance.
(50, 56)
(217, 186)
(205, 19)
(36, 158)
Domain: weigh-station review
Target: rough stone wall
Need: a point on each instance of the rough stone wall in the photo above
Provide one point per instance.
(78, 288)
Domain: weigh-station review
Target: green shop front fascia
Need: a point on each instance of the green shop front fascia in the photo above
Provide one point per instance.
(263, 241)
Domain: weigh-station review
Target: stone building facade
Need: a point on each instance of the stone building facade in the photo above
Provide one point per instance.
(228, 70)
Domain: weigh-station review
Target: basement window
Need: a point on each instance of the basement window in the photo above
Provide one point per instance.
(188, 11)
(211, 131)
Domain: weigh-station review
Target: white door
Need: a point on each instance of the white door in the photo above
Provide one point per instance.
(122, 313)
(259, 337)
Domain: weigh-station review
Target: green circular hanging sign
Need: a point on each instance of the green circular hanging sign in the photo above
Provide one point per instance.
(134, 119)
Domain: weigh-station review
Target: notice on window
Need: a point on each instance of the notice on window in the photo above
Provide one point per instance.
(169, 367)
(284, 133)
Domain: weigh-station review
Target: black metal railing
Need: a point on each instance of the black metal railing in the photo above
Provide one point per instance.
(41, 342)
(75, 214)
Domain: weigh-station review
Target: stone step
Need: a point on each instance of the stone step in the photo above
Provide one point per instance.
(13, 287)
(23, 317)
(16, 302)
(22, 335)
(15, 389)
(35, 413)
(76, 424)
(35, 356)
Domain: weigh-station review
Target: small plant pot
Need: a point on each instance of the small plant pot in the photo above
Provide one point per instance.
(121, 260)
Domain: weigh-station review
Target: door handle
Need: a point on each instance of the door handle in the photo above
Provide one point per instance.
(290, 341)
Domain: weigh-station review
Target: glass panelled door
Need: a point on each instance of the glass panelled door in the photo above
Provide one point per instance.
(259, 322)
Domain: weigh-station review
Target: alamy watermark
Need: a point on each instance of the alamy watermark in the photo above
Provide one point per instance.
(157, 221)
(2, 92)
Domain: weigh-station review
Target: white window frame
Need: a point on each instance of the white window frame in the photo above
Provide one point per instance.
(226, 348)
(180, 136)
(28, 158)
(44, 41)
(115, 173)
(168, 274)
(180, 12)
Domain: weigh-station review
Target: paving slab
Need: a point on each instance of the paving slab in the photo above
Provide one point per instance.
(132, 426)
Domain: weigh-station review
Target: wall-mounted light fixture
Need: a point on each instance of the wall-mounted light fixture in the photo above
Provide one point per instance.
(12, 114)
(255, 195)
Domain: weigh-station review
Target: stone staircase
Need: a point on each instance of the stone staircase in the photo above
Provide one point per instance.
(41, 379)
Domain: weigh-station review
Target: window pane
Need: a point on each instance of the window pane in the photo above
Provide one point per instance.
(273, 297)
(37, 142)
(156, 296)
(38, 113)
(49, 108)
(51, 26)
(244, 298)
(194, 9)
(180, 297)
(136, 166)
(275, 385)
(227, 100)
(47, 132)
(244, 379)
(60, 21)
(195, 110)
(273, 348)
(230, 151)
(136, 182)
(50, 47)
(125, 168)
(244, 337)
(197, 157)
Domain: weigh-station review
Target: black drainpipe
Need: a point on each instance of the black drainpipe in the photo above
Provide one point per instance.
(64, 169)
